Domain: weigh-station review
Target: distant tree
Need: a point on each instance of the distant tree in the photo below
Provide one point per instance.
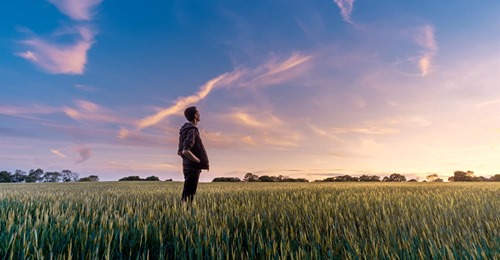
(168, 180)
(459, 176)
(296, 180)
(470, 174)
(438, 180)
(35, 175)
(234, 179)
(51, 177)
(364, 178)
(130, 178)
(329, 179)
(226, 179)
(496, 177)
(462, 176)
(395, 177)
(152, 178)
(265, 178)
(478, 178)
(351, 178)
(84, 179)
(250, 177)
(68, 176)
(432, 177)
(91, 178)
(94, 178)
(412, 180)
(5, 177)
(345, 178)
(369, 178)
(19, 176)
(282, 178)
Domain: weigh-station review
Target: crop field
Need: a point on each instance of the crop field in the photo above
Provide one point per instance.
(144, 220)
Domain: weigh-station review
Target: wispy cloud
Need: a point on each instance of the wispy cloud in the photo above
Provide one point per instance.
(345, 9)
(325, 133)
(58, 58)
(87, 111)
(183, 102)
(366, 130)
(246, 119)
(83, 111)
(80, 10)
(266, 74)
(85, 88)
(275, 71)
(275, 66)
(425, 38)
(58, 153)
(85, 153)
(220, 140)
(283, 142)
(262, 120)
(252, 128)
(27, 112)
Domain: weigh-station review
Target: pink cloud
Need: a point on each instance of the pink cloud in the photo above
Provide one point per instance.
(58, 153)
(276, 71)
(85, 153)
(58, 58)
(366, 130)
(345, 9)
(80, 10)
(87, 111)
(27, 112)
(255, 121)
(425, 38)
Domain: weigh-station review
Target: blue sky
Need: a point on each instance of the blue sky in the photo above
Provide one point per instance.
(308, 89)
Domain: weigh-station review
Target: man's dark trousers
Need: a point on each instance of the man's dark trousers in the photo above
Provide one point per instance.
(191, 177)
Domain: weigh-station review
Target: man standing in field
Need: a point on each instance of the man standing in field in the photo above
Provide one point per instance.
(192, 151)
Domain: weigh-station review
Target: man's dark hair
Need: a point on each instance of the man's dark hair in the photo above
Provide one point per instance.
(190, 112)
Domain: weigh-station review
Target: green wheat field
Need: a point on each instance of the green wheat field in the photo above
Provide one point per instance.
(144, 220)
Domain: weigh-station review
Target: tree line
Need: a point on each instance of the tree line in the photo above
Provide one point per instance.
(395, 177)
(250, 177)
(38, 175)
(137, 178)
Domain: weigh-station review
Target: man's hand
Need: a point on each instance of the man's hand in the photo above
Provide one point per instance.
(190, 156)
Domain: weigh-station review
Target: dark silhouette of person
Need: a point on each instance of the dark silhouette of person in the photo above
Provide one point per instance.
(193, 153)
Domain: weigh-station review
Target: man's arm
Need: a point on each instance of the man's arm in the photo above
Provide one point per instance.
(190, 156)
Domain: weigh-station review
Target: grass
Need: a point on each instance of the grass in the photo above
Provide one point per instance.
(141, 220)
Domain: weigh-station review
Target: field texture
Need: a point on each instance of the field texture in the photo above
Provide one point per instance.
(140, 220)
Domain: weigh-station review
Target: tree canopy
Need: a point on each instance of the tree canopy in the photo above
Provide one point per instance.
(38, 175)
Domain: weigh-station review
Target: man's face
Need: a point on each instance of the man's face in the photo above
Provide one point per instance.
(197, 115)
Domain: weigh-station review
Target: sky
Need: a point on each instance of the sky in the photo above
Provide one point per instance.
(305, 89)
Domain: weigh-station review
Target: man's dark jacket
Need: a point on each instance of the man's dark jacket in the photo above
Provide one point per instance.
(189, 139)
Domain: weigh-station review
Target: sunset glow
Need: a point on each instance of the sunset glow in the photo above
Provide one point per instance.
(306, 89)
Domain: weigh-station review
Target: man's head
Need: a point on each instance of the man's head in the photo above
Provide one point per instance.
(192, 113)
